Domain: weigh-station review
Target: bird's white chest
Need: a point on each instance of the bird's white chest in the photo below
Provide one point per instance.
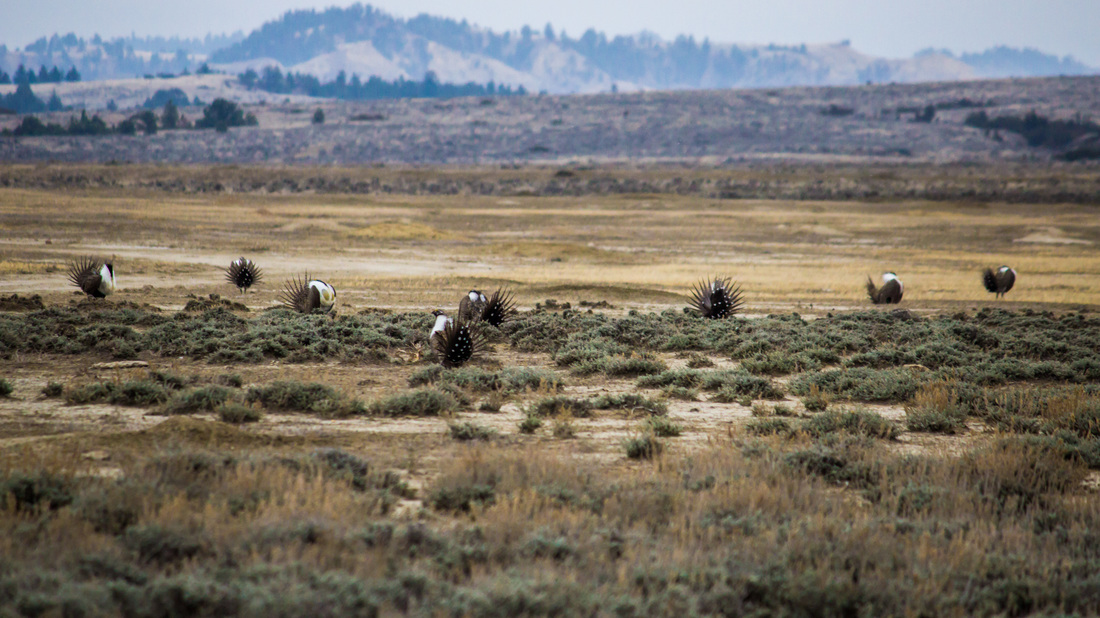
(106, 281)
(325, 291)
(440, 324)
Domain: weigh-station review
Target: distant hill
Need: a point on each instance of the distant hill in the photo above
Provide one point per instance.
(1009, 62)
(362, 40)
(132, 56)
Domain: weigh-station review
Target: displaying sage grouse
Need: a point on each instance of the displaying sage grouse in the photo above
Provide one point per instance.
(454, 341)
(306, 295)
(999, 282)
(243, 273)
(94, 278)
(471, 306)
(716, 298)
(890, 292)
(497, 309)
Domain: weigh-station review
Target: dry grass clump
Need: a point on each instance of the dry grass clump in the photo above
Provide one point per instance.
(815, 400)
(644, 446)
(936, 408)
(393, 230)
(563, 428)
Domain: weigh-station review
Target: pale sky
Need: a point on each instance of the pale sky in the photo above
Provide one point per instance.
(890, 28)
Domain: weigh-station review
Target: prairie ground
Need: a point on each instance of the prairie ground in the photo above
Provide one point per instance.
(181, 448)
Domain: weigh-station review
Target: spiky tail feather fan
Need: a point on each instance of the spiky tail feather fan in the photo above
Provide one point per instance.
(872, 291)
(500, 307)
(989, 279)
(243, 274)
(299, 296)
(716, 298)
(81, 268)
(457, 343)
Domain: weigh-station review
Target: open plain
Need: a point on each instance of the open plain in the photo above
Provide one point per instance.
(180, 448)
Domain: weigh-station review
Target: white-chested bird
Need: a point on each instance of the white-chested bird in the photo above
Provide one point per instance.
(1000, 281)
(94, 278)
(716, 298)
(471, 306)
(243, 273)
(890, 292)
(454, 341)
(306, 295)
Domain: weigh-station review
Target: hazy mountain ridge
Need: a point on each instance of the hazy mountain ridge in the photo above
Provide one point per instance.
(363, 40)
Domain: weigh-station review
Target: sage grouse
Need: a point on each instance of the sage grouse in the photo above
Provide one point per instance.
(890, 292)
(306, 295)
(999, 282)
(94, 278)
(454, 341)
(471, 306)
(716, 298)
(496, 309)
(243, 273)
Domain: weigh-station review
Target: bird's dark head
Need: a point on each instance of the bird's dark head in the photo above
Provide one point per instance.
(438, 313)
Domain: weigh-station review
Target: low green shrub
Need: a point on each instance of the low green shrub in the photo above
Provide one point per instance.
(422, 402)
(130, 393)
(559, 405)
(645, 446)
(862, 383)
(294, 396)
(31, 490)
(663, 427)
(53, 389)
(478, 380)
(630, 402)
(237, 413)
(768, 427)
(620, 366)
(530, 423)
(471, 431)
(202, 399)
(868, 424)
(680, 392)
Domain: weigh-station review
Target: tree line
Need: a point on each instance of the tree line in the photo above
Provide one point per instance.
(219, 115)
(273, 80)
(1039, 131)
(44, 76)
